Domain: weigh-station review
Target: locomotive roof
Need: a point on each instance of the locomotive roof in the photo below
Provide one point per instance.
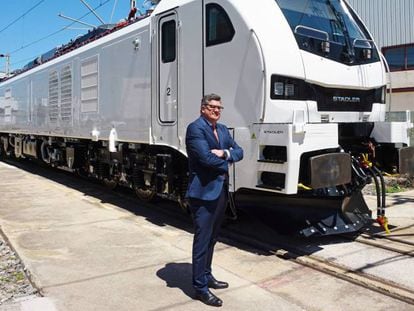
(90, 36)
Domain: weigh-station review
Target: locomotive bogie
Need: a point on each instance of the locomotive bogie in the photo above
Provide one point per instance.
(149, 170)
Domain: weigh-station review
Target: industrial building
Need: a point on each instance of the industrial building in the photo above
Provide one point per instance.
(392, 25)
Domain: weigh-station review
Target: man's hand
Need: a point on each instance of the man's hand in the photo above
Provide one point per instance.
(218, 152)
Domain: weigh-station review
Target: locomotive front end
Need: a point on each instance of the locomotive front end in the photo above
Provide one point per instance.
(324, 135)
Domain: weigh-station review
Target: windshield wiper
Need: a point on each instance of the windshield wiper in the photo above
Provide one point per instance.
(303, 12)
(350, 54)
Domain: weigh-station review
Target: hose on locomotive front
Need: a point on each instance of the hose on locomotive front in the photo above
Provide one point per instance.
(377, 188)
(383, 193)
(376, 174)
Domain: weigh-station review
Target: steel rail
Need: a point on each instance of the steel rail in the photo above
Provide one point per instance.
(398, 246)
(287, 252)
(385, 237)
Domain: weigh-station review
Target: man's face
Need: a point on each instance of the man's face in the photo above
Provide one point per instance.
(212, 111)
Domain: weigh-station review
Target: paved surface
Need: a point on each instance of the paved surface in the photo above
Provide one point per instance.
(88, 250)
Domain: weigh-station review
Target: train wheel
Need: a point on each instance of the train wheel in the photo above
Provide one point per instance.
(144, 194)
(5, 150)
(82, 172)
(110, 183)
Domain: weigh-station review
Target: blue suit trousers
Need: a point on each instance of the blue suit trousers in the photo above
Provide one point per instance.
(208, 217)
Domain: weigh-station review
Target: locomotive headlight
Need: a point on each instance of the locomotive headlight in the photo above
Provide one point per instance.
(278, 88)
(326, 47)
(327, 98)
(289, 89)
(283, 89)
(367, 53)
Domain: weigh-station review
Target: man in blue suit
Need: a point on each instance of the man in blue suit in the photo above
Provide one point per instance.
(211, 150)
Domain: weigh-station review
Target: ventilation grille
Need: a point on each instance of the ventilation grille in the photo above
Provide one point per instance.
(53, 96)
(89, 85)
(66, 94)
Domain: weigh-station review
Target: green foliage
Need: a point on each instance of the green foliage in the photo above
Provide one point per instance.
(19, 276)
(394, 189)
(398, 184)
(4, 279)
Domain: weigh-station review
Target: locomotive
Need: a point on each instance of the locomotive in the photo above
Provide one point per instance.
(302, 82)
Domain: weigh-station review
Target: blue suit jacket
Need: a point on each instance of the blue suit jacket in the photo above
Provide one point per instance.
(208, 171)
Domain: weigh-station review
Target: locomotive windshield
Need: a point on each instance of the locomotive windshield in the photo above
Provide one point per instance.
(330, 29)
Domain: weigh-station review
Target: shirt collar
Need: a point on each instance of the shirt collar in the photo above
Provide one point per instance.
(209, 123)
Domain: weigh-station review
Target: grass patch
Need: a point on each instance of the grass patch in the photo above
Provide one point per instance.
(19, 276)
(398, 184)
(4, 279)
(395, 189)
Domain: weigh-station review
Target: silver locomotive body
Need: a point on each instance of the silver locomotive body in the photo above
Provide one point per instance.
(306, 102)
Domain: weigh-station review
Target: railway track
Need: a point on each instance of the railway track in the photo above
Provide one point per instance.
(286, 248)
(286, 251)
(388, 243)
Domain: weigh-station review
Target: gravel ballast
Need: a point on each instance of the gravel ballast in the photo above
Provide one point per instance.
(14, 283)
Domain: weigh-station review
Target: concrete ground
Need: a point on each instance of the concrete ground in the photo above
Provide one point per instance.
(90, 250)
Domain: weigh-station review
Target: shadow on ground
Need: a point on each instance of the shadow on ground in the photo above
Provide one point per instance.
(250, 223)
(178, 275)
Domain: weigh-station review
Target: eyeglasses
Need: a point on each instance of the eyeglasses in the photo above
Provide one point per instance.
(212, 107)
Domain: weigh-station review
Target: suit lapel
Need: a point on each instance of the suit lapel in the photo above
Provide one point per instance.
(212, 141)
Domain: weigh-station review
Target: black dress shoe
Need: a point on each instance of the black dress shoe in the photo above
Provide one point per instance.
(209, 299)
(213, 283)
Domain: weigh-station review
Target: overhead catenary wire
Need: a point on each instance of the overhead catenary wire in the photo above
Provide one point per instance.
(57, 31)
(22, 61)
(77, 21)
(21, 16)
(113, 10)
(93, 11)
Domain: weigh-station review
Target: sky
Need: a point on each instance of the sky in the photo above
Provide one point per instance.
(29, 28)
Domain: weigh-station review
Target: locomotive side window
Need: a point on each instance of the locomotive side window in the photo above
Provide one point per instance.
(168, 42)
(219, 28)
(168, 69)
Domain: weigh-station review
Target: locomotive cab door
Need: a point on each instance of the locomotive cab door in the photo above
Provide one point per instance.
(165, 112)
